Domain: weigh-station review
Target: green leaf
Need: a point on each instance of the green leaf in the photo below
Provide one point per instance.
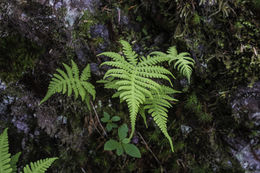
(122, 131)
(110, 126)
(132, 150)
(14, 161)
(111, 145)
(126, 140)
(106, 117)
(115, 118)
(119, 150)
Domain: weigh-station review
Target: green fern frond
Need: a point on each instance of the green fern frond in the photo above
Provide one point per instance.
(39, 166)
(5, 156)
(13, 162)
(183, 62)
(158, 106)
(71, 82)
(131, 56)
(134, 78)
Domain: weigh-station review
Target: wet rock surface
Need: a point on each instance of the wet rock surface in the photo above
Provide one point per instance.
(246, 111)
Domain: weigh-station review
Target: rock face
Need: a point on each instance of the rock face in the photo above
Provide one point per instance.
(42, 20)
(246, 111)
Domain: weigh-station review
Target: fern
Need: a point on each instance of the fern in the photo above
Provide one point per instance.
(39, 166)
(133, 80)
(70, 81)
(8, 163)
(5, 157)
(183, 61)
(157, 107)
(13, 162)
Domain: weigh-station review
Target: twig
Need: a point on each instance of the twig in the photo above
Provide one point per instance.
(104, 131)
(146, 145)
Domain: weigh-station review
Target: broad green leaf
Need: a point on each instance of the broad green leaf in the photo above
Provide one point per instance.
(115, 118)
(126, 140)
(111, 145)
(132, 150)
(122, 131)
(110, 126)
(119, 150)
(106, 117)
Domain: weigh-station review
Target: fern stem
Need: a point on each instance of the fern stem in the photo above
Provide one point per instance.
(104, 131)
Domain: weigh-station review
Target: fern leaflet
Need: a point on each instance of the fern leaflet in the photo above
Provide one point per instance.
(13, 162)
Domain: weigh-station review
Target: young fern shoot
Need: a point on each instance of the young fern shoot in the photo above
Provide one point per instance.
(133, 78)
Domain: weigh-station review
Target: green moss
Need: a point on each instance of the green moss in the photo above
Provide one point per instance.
(17, 55)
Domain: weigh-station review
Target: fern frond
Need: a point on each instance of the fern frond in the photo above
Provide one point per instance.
(184, 62)
(172, 51)
(13, 162)
(71, 82)
(39, 166)
(5, 156)
(158, 106)
(131, 56)
(134, 79)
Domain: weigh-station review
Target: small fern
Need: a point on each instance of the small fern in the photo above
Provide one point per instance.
(8, 163)
(5, 156)
(70, 81)
(39, 166)
(183, 61)
(133, 78)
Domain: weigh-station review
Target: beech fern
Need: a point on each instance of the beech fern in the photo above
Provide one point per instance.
(133, 78)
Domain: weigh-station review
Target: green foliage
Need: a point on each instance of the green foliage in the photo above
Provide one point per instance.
(70, 81)
(17, 55)
(122, 145)
(110, 125)
(5, 157)
(195, 106)
(183, 61)
(133, 78)
(8, 163)
(14, 161)
(39, 166)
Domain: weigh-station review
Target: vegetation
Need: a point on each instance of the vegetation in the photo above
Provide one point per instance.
(8, 163)
(133, 78)
(222, 37)
(70, 81)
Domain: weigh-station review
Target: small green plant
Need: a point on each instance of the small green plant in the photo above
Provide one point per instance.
(8, 163)
(122, 145)
(183, 61)
(110, 122)
(134, 79)
(195, 106)
(71, 82)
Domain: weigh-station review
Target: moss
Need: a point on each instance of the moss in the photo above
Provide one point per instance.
(17, 55)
